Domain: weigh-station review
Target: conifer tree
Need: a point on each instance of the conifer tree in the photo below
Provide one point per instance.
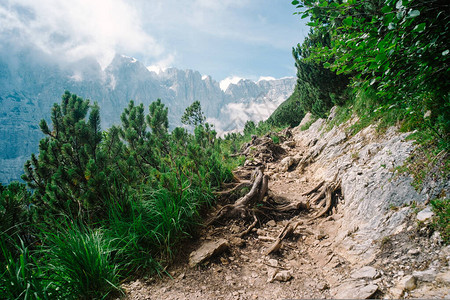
(69, 174)
(193, 115)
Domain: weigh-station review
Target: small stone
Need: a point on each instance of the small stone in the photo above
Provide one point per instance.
(272, 223)
(425, 214)
(322, 286)
(355, 290)
(271, 274)
(408, 283)
(366, 272)
(207, 250)
(396, 293)
(273, 262)
(260, 232)
(237, 241)
(283, 276)
(182, 276)
(414, 252)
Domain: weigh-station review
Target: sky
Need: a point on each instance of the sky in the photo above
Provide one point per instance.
(226, 39)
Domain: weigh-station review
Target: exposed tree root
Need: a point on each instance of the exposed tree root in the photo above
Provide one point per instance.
(247, 231)
(242, 207)
(287, 231)
(313, 190)
(325, 196)
(236, 187)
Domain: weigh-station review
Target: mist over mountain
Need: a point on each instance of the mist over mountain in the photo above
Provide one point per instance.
(31, 82)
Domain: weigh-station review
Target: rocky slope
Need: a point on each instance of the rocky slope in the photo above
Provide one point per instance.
(31, 82)
(372, 242)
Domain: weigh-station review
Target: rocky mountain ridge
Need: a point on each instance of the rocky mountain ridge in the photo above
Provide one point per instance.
(31, 82)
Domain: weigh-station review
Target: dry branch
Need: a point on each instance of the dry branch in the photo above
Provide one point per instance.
(286, 232)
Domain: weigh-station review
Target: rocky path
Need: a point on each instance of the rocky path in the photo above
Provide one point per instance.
(322, 258)
(304, 267)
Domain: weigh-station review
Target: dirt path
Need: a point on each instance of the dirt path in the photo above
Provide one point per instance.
(304, 267)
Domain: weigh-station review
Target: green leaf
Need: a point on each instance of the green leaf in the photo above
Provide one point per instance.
(420, 27)
(327, 64)
(348, 21)
(386, 9)
(413, 13)
(399, 4)
(295, 2)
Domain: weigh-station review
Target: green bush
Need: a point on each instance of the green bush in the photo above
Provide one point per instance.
(289, 113)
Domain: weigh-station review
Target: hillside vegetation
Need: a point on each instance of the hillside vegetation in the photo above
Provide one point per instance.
(100, 206)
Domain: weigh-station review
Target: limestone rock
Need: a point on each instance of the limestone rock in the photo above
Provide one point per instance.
(355, 290)
(425, 214)
(283, 276)
(207, 250)
(366, 272)
(425, 276)
(286, 163)
(408, 283)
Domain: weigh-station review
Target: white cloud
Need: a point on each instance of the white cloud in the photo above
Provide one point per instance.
(266, 78)
(229, 80)
(162, 64)
(78, 28)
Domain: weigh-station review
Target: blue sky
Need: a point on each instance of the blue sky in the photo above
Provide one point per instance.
(227, 38)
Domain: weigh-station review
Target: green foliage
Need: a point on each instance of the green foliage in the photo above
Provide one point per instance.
(81, 261)
(131, 195)
(318, 88)
(399, 48)
(289, 113)
(21, 277)
(249, 128)
(69, 174)
(193, 115)
(441, 221)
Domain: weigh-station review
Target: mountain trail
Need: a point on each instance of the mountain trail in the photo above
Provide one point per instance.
(302, 244)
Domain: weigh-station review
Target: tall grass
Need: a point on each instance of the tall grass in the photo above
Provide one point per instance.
(81, 260)
(21, 277)
(151, 225)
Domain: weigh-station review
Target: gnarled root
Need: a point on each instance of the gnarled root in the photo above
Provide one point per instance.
(325, 197)
(242, 207)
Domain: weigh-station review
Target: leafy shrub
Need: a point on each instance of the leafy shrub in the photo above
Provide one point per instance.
(289, 113)
(399, 48)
